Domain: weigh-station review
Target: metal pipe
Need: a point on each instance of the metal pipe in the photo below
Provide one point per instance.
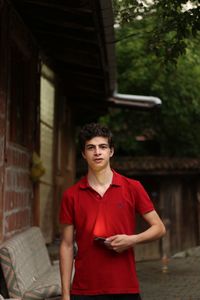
(134, 100)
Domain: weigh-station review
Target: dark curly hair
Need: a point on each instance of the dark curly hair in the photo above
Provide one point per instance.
(92, 130)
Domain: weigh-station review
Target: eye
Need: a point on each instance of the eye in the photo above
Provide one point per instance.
(89, 147)
(104, 146)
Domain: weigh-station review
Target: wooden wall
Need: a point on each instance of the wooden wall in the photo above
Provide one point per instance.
(178, 205)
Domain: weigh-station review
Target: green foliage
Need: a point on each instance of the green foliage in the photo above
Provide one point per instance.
(174, 129)
(175, 21)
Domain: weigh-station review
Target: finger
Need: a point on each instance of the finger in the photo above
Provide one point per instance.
(111, 238)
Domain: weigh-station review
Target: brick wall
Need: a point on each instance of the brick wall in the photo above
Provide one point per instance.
(16, 188)
(3, 75)
(2, 141)
(17, 191)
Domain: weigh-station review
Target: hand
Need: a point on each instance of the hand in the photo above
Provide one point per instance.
(120, 242)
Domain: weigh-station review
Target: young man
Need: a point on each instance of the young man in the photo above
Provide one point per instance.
(100, 209)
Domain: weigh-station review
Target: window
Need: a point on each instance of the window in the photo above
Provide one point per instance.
(19, 96)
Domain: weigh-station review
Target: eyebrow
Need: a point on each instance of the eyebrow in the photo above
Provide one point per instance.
(103, 144)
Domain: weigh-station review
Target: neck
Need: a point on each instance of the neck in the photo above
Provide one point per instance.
(101, 177)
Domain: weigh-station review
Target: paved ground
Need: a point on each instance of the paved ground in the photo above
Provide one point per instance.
(181, 282)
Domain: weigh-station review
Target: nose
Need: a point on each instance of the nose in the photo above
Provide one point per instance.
(97, 150)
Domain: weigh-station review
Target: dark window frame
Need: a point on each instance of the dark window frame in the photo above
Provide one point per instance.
(20, 77)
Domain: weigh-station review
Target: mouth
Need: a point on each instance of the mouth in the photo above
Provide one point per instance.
(98, 160)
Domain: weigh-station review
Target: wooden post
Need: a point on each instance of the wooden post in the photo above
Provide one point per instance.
(166, 246)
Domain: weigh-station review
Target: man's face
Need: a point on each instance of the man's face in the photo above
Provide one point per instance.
(97, 153)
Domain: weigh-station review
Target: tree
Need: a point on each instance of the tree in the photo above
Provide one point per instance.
(174, 130)
(176, 21)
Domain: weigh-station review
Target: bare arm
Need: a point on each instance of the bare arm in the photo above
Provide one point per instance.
(121, 242)
(155, 231)
(66, 260)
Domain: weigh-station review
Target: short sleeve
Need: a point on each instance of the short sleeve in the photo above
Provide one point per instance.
(66, 215)
(142, 201)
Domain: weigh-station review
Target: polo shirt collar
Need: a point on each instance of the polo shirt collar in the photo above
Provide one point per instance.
(116, 181)
(84, 183)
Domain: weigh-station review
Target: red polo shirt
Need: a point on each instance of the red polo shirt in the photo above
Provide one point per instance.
(99, 270)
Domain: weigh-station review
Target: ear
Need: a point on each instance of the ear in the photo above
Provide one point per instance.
(83, 154)
(111, 151)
